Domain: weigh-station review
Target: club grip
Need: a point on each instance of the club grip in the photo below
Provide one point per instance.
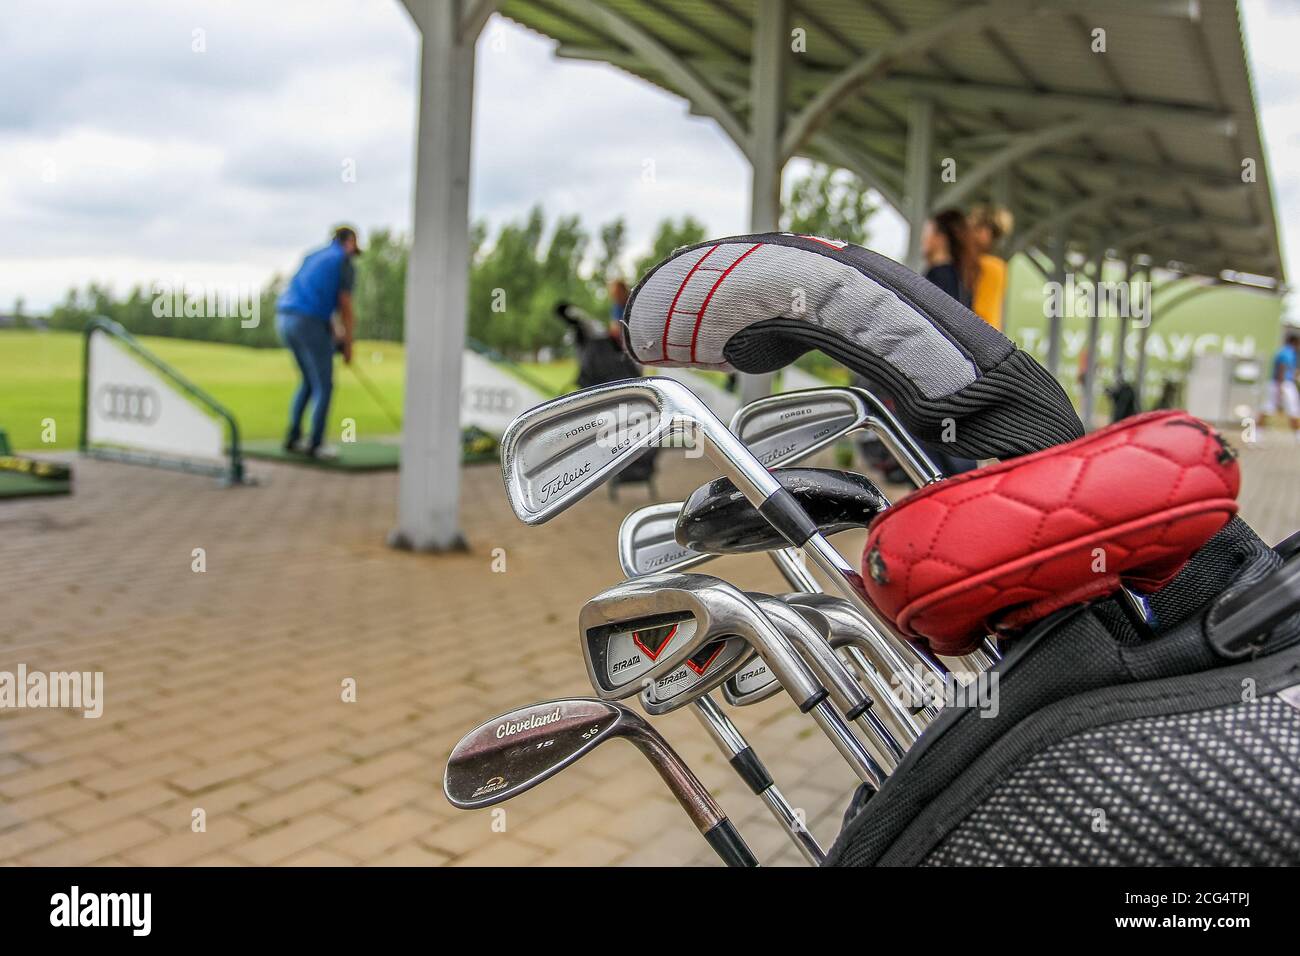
(751, 770)
(729, 845)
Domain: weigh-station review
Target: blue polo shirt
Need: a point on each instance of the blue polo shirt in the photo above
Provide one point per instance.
(315, 287)
(1286, 358)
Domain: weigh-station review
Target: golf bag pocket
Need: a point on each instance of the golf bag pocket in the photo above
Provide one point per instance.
(1002, 547)
(1105, 746)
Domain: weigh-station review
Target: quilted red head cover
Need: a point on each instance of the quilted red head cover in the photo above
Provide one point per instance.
(1002, 547)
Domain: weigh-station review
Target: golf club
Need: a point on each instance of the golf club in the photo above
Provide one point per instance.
(675, 616)
(783, 429)
(556, 453)
(518, 750)
(646, 545)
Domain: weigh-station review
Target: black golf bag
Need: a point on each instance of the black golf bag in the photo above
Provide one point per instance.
(1111, 747)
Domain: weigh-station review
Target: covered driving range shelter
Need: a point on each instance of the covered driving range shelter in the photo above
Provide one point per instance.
(1119, 131)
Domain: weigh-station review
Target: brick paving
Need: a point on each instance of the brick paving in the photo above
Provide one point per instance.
(224, 689)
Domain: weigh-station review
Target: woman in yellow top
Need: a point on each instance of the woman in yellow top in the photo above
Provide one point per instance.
(989, 226)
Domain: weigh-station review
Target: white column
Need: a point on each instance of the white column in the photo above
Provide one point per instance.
(437, 285)
(767, 113)
(1121, 329)
(1140, 374)
(917, 176)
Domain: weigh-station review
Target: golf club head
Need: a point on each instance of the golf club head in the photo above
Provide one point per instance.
(649, 627)
(516, 751)
(718, 519)
(712, 665)
(753, 680)
(783, 429)
(556, 453)
(647, 542)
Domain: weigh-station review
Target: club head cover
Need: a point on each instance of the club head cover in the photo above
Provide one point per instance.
(756, 303)
(999, 548)
(718, 519)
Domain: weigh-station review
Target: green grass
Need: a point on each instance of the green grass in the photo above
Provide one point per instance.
(40, 377)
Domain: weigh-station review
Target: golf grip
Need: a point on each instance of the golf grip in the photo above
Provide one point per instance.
(784, 513)
(727, 842)
(751, 770)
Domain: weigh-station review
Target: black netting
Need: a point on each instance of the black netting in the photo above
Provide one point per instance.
(1218, 787)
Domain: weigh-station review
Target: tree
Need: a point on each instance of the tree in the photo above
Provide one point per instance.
(669, 237)
(832, 203)
(379, 294)
(613, 237)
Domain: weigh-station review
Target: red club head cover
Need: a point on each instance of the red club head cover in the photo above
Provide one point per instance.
(1002, 547)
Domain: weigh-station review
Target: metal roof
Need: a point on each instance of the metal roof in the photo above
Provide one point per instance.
(1139, 148)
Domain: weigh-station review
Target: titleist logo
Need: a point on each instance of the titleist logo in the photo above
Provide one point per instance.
(563, 480)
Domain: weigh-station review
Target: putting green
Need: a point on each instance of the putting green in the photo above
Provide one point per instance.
(350, 456)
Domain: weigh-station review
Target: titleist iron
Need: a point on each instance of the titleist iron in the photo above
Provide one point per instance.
(517, 751)
(783, 429)
(646, 545)
(556, 453)
(700, 611)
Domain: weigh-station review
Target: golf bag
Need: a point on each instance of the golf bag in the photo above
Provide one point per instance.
(1109, 747)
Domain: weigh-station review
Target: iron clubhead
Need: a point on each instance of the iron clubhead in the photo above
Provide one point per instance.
(698, 675)
(647, 542)
(783, 429)
(516, 751)
(717, 519)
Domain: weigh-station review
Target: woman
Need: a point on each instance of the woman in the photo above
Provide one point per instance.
(953, 265)
(950, 257)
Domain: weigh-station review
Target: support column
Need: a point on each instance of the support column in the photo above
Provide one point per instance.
(1059, 247)
(917, 176)
(767, 77)
(1140, 375)
(1121, 330)
(1088, 398)
(437, 285)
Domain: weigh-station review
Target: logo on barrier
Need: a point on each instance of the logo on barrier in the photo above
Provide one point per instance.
(135, 404)
(485, 399)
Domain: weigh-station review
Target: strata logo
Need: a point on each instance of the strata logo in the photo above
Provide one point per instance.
(73, 690)
(624, 664)
(492, 786)
(562, 481)
(75, 909)
(512, 727)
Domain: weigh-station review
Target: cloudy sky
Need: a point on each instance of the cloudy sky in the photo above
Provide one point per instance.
(134, 148)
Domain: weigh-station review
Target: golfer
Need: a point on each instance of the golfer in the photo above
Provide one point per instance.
(1283, 395)
(322, 284)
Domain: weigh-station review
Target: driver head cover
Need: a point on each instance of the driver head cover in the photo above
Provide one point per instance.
(756, 303)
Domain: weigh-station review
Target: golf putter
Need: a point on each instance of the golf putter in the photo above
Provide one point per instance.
(514, 752)
(642, 550)
(648, 626)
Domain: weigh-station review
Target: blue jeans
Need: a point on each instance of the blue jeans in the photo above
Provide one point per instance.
(312, 343)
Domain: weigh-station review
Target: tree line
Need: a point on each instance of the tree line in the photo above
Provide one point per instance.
(516, 277)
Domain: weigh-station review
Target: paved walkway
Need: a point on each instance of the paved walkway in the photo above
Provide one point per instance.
(224, 689)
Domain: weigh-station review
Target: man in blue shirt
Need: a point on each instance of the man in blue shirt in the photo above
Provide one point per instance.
(1282, 392)
(322, 284)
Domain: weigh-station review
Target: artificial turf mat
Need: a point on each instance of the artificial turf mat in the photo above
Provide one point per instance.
(17, 485)
(351, 456)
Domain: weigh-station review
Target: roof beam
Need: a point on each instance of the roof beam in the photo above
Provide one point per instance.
(1019, 98)
(875, 63)
(1017, 148)
(474, 16)
(675, 69)
(1045, 226)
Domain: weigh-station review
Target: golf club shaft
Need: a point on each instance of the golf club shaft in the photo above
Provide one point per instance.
(696, 800)
(369, 386)
(798, 576)
(750, 769)
(905, 726)
(849, 746)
